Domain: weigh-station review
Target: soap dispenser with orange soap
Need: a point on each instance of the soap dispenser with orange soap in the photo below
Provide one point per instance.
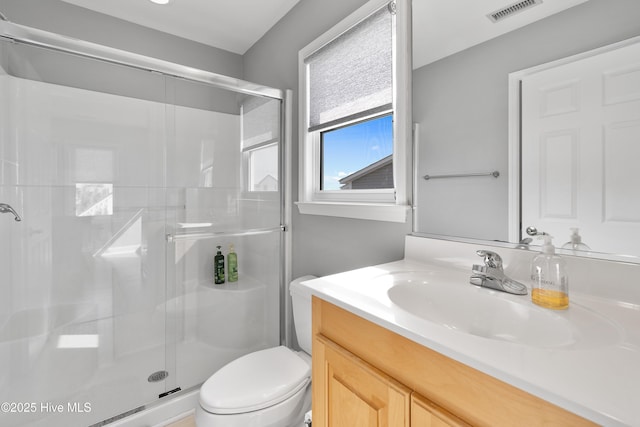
(549, 275)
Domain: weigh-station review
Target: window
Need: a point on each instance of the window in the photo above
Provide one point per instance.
(358, 156)
(263, 168)
(94, 199)
(260, 143)
(94, 168)
(354, 121)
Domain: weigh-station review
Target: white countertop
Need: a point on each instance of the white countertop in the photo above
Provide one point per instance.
(597, 378)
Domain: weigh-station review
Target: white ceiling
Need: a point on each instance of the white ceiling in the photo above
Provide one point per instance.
(233, 25)
(440, 27)
(444, 27)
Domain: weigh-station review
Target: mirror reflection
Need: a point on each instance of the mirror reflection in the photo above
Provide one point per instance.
(461, 106)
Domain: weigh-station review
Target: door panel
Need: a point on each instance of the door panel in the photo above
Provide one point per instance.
(580, 145)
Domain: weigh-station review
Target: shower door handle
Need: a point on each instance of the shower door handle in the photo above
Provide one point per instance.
(5, 208)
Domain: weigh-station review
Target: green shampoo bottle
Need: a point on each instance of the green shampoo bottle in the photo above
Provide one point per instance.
(232, 262)
(218, 267)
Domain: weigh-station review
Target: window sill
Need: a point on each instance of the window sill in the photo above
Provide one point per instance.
(368, 211)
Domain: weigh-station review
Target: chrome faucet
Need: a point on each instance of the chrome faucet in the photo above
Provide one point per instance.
(524, 243)
(5, 208)
(491, 275)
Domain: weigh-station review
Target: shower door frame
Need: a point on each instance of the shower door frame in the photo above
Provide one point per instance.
(34, 37)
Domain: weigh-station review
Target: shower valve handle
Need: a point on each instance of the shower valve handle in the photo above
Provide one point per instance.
(5, 208)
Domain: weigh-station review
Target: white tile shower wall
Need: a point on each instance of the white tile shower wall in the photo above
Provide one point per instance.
(206, 152)
(206, 167)
(67, 135)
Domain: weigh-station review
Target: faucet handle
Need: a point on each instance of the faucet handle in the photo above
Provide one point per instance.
(491, 259)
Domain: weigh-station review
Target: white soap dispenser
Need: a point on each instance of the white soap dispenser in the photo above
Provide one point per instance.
(550, 287)
(575, 242)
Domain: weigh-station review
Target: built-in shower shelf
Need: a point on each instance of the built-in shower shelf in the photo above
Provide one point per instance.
(244, 283)
(216, 234)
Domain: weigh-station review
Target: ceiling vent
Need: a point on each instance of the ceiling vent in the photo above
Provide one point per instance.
(512, 9)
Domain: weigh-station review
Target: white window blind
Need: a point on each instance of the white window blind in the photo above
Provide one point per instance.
(352, 76)
(260, 121)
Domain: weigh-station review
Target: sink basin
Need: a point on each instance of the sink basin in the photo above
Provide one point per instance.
(446, 298)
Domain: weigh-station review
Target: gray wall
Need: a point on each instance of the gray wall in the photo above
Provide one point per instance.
(461, 104)
(321, 245)
(70, 20)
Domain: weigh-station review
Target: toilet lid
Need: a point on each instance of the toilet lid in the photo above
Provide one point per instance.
(255, 381)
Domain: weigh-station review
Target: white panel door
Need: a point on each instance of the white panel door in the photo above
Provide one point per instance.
(581, 151)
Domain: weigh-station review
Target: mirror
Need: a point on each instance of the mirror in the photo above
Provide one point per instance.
(461, 103)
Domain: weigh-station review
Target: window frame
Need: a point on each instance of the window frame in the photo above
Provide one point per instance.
(249, 145)
(247, 163)
(381, 204)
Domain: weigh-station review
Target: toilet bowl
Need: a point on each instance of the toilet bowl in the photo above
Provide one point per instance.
(266, 388)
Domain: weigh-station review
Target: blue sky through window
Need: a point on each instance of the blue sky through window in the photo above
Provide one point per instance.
(348, 149)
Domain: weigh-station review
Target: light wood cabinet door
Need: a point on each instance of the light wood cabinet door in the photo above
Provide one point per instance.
(353, 393)
(427, 414)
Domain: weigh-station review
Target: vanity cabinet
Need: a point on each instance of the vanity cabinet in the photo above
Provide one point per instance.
(425, 413)
(366, 375)
(356, 393)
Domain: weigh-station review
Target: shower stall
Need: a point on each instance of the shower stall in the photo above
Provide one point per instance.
(126, 173)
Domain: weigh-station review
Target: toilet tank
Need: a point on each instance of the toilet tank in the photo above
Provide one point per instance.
(301, 302)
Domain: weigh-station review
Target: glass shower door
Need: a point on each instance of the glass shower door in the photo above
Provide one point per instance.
(223, 170)
(82, 313)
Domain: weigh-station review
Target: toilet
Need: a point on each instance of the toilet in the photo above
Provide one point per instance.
(266, 388)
